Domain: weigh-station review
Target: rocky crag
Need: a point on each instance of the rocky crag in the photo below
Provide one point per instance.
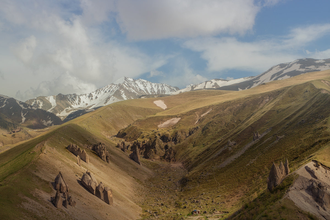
(62, 197)
(277, 174)
(101, 151)
(156, 146)
(78, 152)
(90, 183)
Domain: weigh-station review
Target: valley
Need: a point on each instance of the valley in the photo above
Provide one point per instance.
(206, 150)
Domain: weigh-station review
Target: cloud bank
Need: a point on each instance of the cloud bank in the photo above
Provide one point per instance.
(51, 47)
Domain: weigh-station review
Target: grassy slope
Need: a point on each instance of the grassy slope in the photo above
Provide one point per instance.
(17, 165)
(295, 109)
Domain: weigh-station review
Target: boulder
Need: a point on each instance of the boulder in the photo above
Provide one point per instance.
(99, 191)
(58, 200)
(108, 196)
(84, 156)
(89, 182)
(71, 202)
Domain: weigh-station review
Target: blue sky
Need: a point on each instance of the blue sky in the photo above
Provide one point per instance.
(50, 47)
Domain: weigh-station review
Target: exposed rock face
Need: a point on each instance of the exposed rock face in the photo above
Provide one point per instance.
(62, 187)
(60, 184)
(276, 175)
(311, 190)
(101, 151)
(89, 182)
(108, 196)
(58, 200)
(78, 152)
(135, 154)
(169, 155)
(320, 193)
(99, 191)
(123, 146)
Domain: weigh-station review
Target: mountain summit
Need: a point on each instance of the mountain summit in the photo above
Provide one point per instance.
(123, 89)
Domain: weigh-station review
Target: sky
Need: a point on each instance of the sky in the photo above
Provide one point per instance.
(76, 46)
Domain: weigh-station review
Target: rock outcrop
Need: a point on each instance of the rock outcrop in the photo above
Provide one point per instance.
(311, 190)
(78, 160)
(60, 184)
(62, 191)
(135, 153)
(78, 152)
(277, 174)
(90, 183)
(58, 200)
(101, 151)
(99, 191)
(256, 136)
(123, 146)
(108, 196)
(320, 193)
(169, 155)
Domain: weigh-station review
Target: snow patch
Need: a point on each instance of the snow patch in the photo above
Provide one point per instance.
(23, 117)
(169, 123)
(52, 101)
(160, 104)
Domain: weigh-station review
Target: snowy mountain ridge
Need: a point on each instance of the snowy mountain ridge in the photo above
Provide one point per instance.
(123, 89)
(278, 72)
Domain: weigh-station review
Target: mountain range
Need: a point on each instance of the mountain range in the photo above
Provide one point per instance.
(70, 106)
(123, 89)
(278, 72)
(14, 113)
(258, 153)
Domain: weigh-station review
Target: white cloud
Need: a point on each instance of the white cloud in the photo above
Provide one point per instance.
(64, 84)
(149, 19)
(229, 53)
(56, 42)
(155, 73)
(2, 76)
(96, 11)
(25, 49)
(267, 3)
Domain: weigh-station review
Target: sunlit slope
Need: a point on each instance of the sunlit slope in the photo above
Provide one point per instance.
(291, 116)
(27, 170)
(197, 99)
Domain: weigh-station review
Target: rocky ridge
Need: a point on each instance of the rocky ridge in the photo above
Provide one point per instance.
(124, 89)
